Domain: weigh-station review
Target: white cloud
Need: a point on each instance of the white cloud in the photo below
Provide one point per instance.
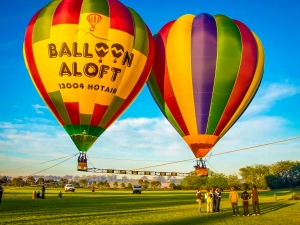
(37, 108)
(268, 95)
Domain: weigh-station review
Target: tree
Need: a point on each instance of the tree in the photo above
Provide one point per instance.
(256, 175)
(217, 180)
(172, 186)
(193, 182)
(63, 182)
(157, 184)
(153, 184)
(233, 181)
(100, 184)
(123, 185)
(116, 185)
(284, 172)
(145, 184)
(4, 179)
(30, 180)
(83, 183)
(140, 182)
(18, 182)
(129, 185)
(41, 180)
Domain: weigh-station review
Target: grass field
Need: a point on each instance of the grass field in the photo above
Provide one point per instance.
(150, 207)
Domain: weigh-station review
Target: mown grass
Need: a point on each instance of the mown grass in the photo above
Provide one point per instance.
(150, 207)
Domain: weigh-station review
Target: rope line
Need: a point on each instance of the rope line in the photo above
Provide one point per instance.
(256, 146)
(36, 164)
(54, 165)
(222, 153)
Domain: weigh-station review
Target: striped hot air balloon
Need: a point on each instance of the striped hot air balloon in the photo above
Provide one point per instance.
(68, 53)
(206, 71)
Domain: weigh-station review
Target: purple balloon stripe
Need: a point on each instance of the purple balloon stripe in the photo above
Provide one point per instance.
(204, 56)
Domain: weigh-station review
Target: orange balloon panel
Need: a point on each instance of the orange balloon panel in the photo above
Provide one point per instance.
(88, 59)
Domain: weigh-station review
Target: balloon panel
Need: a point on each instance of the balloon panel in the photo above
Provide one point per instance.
(88, 59)
(204, 74)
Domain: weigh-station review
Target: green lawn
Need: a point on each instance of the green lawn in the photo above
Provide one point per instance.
(150, 207)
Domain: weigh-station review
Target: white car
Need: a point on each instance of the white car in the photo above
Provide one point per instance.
(137, 189)
(69, 187)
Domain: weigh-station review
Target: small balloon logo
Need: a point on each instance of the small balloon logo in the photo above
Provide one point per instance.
(93, 19)
(101, 50)
(117, 51)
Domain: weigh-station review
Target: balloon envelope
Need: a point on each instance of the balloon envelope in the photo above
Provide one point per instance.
(88, 59)
(206, 71)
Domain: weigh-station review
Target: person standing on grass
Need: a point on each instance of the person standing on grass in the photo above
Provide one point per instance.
(199, 199)
(218, 200)
(208, 197)
(1, 191)
(255, 202)
(214, 198)
(246, 197)
(93, 189)
(233, 198)
(43, 191)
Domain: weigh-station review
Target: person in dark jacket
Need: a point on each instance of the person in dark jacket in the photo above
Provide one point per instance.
(255, 202)
(218, 194)
(1, 191)
(246, 197)
(43, 191)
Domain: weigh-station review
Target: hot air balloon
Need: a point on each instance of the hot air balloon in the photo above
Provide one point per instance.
(206, 71)
(70, 51)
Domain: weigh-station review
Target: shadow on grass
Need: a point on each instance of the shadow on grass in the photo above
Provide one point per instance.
(271, 207)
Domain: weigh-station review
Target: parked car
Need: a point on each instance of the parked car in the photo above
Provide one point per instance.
(137, 189)
(69, 187)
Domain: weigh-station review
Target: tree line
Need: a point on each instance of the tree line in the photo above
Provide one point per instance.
(84, 183)
(283, 174)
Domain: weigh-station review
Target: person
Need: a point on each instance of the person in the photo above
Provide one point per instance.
(43, 191)
(214, 199)
(245, 196)
(93, 190)
(255, 202)
(218, 200)
(1, 191)
(199, 199)
(233, 198)
(208, 197)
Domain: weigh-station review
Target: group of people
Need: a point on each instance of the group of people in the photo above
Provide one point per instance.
(82, 157)
(234, 197)
(213, 198)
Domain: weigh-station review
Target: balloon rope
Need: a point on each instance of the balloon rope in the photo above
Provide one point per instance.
(256, 146)
(54, 165)
(36, 164)
(47, 168)
(241, 149)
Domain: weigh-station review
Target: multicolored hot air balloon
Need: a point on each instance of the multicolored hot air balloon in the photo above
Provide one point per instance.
(206, 71)
(88, 59)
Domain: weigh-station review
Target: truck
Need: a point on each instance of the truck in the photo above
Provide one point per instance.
(137, 189)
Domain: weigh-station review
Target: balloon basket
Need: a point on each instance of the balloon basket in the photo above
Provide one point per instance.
(201, 172)
(82, 166)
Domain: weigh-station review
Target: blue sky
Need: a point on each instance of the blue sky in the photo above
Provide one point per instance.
(29, 134)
